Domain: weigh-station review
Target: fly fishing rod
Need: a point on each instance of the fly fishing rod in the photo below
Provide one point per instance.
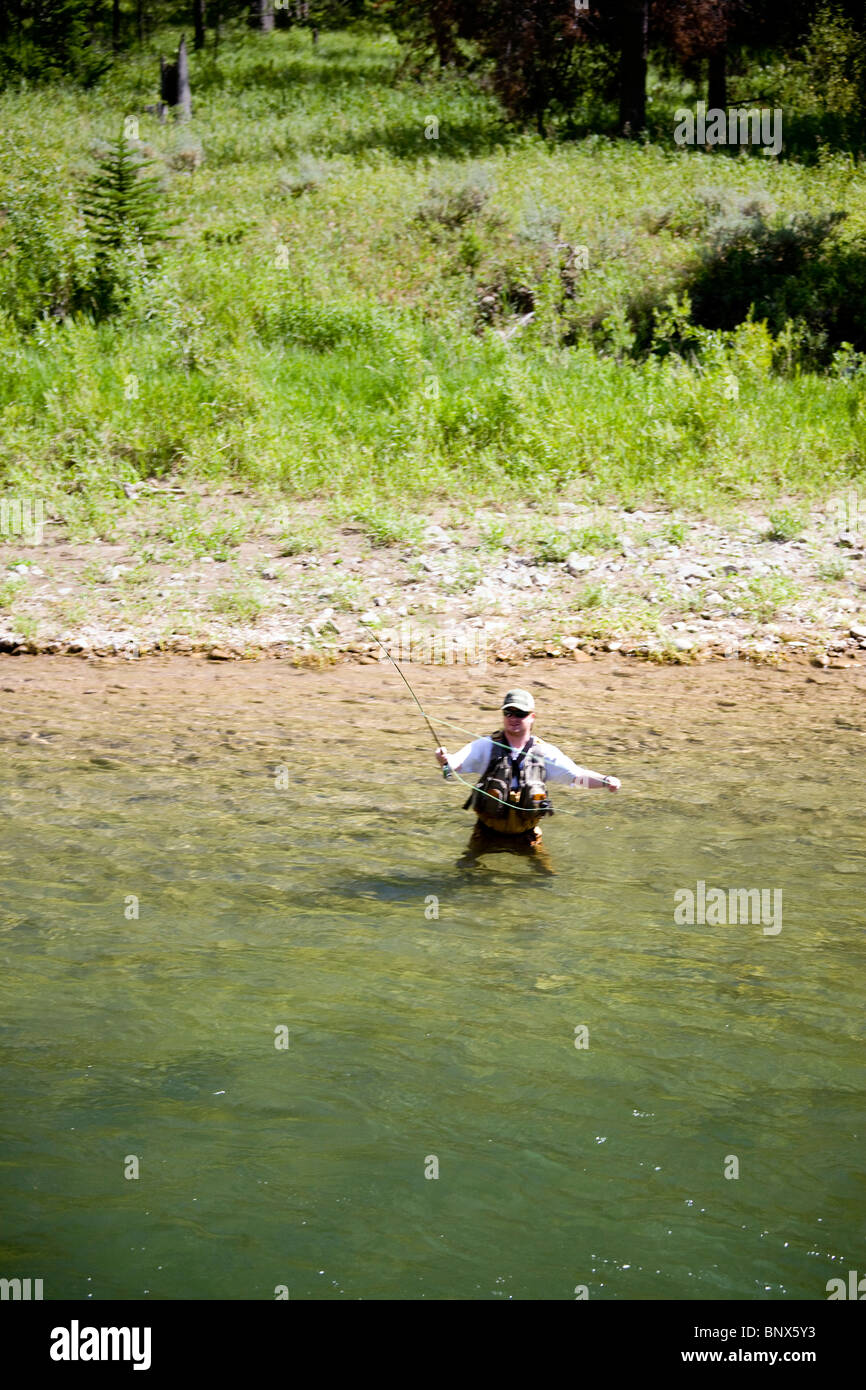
(446, 771)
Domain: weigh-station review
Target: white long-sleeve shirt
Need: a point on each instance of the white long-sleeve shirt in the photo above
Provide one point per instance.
(474, 757)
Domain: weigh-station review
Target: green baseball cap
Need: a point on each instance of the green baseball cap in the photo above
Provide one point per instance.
(519, 699)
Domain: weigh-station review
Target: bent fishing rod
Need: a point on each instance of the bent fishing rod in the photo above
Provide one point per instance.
(446, 771)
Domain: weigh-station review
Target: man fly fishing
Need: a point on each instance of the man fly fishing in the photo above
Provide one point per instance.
(510, 799)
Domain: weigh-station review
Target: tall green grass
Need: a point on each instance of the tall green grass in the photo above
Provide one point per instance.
(308, 332)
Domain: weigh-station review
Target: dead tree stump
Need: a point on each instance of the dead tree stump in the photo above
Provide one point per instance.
(174, 83)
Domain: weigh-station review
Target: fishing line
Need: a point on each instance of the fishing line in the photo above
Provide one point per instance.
(496, 744)
(447, 772)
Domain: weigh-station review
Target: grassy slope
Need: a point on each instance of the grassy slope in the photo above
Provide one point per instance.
(354, 370)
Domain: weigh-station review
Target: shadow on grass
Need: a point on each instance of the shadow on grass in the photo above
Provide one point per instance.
(408, 141)
(804, 137)
(799, 272)
(282, 71)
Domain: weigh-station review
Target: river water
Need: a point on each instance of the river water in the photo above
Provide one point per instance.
(239, 958)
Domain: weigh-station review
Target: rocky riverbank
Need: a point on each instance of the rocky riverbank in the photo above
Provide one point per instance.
(510, 583)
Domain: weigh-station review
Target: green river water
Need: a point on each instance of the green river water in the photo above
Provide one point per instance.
(412, 1036)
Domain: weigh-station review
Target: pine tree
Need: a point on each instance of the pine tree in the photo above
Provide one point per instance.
(62, 32)
(121, 208)
(122, 202)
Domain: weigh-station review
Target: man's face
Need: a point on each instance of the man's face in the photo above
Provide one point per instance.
(518, 724)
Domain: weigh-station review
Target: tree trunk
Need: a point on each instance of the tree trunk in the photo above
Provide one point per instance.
(262, 15)
(443, 34)
(140, 22)
(115, 25)
(174, 83)
(632, 68)
(717, 86)
(199, 19)
(184, 96)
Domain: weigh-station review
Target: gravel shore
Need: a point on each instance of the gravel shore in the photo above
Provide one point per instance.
(505, 586)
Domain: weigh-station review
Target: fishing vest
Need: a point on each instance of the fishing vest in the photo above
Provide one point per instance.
(520, 808)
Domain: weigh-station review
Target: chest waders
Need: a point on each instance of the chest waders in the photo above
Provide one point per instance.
(519, 808)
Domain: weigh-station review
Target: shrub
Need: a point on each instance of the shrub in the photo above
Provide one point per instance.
(187, 154)
(323, 326)
(307, 176)
(789, 268)
(785, 525)
(792, 273)
(832, 71)
(121, 207)
(451, 202)
(46, 261)
(540, 222)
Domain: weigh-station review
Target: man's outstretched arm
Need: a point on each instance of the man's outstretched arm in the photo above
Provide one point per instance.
(562, 769)
(595, 779)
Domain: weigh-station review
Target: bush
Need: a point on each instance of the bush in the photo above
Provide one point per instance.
(324, 326)
(749, 261)
(46, 261)
(793, 272)
(307, 176)
(451, 202)
(540, 222)
(832, 72)
(785, 525)
(186, 154)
